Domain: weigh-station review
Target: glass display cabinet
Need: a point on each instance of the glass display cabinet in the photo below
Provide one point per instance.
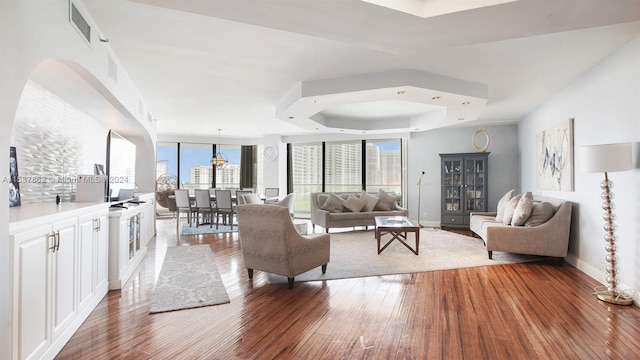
(464, 181)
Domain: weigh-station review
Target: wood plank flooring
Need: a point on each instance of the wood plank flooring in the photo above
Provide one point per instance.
(519, 311)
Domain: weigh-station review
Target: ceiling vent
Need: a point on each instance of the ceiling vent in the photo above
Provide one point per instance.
(113, 69)
(80, 23)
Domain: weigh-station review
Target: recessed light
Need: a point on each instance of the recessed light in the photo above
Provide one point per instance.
(401, 92)
(416, 129)
(341, 130)
(460, 119)
(291, 117)
(316, 101)
(466, 103)
(435, 98)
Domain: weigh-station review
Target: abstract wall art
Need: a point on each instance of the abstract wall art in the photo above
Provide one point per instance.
(554, 149)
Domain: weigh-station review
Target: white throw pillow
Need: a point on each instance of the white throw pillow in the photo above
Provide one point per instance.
(333, 204)
(523, 209)
(354, 204)
(370, 201)
(510, 209)
(502, 203)
(386, 201)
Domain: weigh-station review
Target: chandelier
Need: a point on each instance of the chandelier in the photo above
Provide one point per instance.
(219, 160)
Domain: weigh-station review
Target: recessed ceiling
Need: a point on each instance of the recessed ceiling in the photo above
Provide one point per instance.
(205, 65)
(386, 102)
(378, 110)
(430, 8)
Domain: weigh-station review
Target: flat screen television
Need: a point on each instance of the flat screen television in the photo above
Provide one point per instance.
(121, 168)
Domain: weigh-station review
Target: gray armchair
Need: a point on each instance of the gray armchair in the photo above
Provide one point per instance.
(270, 242)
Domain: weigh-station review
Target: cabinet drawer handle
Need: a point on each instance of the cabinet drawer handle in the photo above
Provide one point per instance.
(57, 236)
(52, 236)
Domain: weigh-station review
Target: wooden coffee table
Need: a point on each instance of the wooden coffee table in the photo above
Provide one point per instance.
(398, 227)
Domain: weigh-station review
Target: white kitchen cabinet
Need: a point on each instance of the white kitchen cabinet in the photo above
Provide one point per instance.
(126, 248)
(47, 276)
(93, 265)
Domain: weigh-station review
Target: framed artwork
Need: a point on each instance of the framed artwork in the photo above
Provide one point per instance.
(14, 180)
(554, 149)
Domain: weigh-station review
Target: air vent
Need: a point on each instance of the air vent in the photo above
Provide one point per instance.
(113, 69)
(80, 23)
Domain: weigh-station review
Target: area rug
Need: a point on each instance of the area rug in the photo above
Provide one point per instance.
(355, 254)
(205, 229)
(188, 279)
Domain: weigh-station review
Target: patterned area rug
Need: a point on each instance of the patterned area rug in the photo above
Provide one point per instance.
(355, 254)
(189, 278)
(205, 229)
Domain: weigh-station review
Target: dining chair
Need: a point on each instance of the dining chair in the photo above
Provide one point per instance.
(271, 195)
(203, 206)
(240, 196)
(252, 189)
(224, 206)
(183, 204)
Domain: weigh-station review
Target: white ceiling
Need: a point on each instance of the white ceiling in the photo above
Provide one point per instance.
(203, 65)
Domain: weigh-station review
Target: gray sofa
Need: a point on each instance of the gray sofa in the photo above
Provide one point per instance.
(550, 238)
(346, 218)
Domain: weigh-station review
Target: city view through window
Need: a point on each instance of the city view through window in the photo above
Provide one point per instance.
(343, 167)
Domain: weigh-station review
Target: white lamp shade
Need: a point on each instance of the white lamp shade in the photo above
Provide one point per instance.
(606, 158)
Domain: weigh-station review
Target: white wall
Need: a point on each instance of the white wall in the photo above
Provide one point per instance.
(32, 32)
(605, 103)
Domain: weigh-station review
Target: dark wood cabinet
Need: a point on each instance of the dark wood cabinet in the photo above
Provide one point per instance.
(464, 181)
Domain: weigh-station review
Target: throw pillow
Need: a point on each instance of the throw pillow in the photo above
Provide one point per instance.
(386, 201)
(354, 204)
(502, 203)
(540, 214)
(370, 201)
(510, 209)
(333, 204)
(523, 209)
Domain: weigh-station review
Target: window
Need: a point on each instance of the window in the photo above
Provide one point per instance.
(307, 174)
(229, 176)
(384, 166)
(195, 166)
(345, 168)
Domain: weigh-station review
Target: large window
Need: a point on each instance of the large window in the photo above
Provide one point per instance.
(344, 168)
(307, 174)
(195, 166)
(384, 166)
(229, 175)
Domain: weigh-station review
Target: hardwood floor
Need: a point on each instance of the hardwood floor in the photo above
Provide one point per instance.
(518, 311)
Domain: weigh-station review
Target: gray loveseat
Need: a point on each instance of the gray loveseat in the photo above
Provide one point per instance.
(550, 238)
(342, 216)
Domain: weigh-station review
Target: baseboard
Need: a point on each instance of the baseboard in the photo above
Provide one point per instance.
(598, 275)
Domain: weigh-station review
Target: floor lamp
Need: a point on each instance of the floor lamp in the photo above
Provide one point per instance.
(419, 197)
(608, 158)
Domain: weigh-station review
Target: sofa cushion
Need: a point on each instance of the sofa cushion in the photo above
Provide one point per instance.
(510, 209)
(333, 204)
(523, 209)
(502, 203)
(354, 203)
(370, 201)
(540, 214)
(386, 201)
